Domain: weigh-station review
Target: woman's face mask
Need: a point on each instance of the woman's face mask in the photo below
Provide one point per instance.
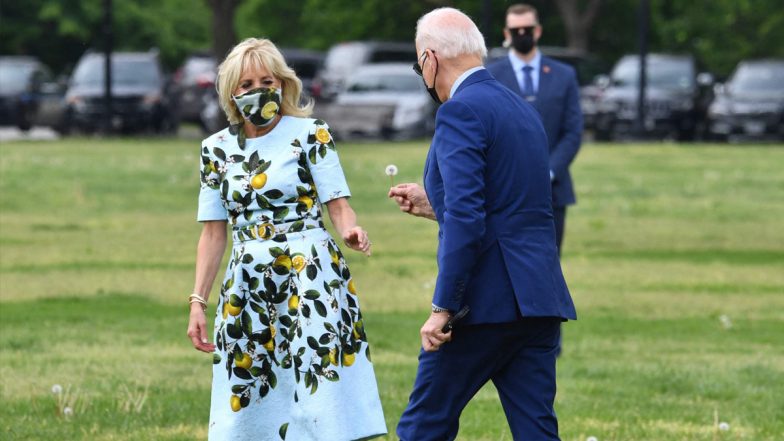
(260, 106)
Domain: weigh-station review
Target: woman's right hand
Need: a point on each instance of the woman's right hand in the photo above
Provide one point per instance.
(197, 329)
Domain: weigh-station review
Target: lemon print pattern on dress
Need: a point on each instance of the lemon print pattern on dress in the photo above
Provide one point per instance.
(322, 135)
(270, 344)
(236, 405)
(348, 359)
(293, 304)
(258, 181)
(233, 310)
(301, 281)
(298, 262)
(244, 362)
(307, 200)
(282, 261)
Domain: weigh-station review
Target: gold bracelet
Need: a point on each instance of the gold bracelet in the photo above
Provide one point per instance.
(196, 298)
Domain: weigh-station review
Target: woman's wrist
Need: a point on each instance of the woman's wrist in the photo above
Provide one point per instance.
(198, 299)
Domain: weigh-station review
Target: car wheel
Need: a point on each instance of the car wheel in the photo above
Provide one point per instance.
(25, 121)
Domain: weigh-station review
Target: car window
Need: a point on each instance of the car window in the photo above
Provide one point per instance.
(304, 68)
(125, 72)
(344, 57)
(15, 77)
(761, 77)
(195, 67)
(666, 74)
(390, 56)
(384, 83)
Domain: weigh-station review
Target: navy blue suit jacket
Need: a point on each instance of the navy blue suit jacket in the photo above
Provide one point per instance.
(558, 103)
(487, 179)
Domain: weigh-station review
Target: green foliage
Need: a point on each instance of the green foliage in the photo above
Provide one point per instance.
(59, 31)
(720, 32)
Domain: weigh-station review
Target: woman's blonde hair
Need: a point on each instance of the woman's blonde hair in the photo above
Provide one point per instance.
(258, 52)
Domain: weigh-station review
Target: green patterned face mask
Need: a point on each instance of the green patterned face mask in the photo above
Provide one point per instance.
(259, 106)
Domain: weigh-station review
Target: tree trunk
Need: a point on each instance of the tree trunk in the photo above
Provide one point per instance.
(578, 24)
(224, 36)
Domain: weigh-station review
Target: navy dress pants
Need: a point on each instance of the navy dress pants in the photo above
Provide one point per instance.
(518, 357)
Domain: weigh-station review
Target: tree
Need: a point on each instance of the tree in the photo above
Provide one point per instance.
(224, 36)
(578, 24)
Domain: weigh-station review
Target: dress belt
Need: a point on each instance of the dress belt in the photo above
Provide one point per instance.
(268, 230)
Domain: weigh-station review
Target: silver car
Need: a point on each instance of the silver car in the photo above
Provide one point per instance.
(386, 100)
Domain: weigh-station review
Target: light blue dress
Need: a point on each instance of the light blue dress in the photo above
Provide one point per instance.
(292, 359)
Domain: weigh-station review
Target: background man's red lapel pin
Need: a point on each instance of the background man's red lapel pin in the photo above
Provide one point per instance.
(546, 69)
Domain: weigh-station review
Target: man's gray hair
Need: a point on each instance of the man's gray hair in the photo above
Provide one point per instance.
(449, 33)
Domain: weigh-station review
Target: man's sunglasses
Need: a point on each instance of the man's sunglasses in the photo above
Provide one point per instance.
(417, 67)
(523, 30)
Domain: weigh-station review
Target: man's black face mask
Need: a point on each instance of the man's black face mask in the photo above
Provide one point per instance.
(523, 39)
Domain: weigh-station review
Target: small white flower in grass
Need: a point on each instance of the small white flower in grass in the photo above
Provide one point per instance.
(726, 323)
(724, 426)
(591, 438)
(67, 411)
(57, 389)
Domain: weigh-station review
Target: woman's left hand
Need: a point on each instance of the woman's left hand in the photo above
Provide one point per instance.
(357, 239)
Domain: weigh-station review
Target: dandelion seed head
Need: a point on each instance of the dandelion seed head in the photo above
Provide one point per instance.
(391, 170)
(724, 426)
(57, 389)
(67, 411)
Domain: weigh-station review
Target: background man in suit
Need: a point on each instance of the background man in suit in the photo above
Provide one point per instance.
(487, 185)
(552, 88)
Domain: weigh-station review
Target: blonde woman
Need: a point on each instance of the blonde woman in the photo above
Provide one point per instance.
(291, 359)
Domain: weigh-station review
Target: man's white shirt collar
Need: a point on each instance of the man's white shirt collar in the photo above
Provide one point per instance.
(462, 78)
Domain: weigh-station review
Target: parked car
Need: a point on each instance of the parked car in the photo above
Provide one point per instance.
(306, 64)
(586, 66)
(676, 103)
(343, 59)
(192, 82)
(141, 95)
(386, 100)
(28, 94)
(751, 103)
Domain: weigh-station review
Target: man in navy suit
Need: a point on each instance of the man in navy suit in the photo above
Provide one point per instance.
(487, 185)
(551, 87)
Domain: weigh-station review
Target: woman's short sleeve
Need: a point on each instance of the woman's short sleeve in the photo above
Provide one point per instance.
(324, 164)
(210, 203)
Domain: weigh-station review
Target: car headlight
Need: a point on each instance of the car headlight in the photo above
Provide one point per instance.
(767, 107)
(718, 109)
(409, 115)
(683, 105)
(609, 106)
(77, 102)
(151, 99)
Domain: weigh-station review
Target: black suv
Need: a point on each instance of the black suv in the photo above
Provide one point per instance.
(676, 98)
(751, 103)
(28, 94)
(141, 97)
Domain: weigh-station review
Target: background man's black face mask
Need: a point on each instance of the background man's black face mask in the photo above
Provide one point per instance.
(523, 43)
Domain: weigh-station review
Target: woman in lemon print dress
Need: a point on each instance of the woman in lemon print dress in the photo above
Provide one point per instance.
(291, 359)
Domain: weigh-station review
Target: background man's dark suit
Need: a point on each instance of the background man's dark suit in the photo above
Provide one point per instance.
(558, 103)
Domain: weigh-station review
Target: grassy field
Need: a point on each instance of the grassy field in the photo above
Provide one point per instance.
(674, 255)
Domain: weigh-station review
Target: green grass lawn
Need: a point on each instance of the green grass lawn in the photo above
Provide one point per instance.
(674, 256)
